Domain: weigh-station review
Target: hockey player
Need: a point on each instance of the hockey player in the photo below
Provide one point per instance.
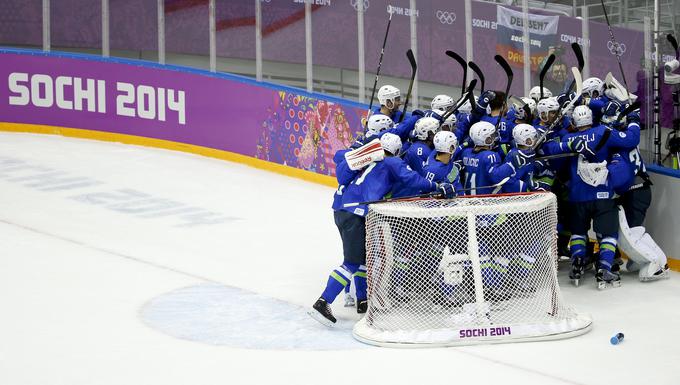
(439, 167)
(372, 183)
(590, 196)
(390, 100)
(420, 150)
(519, 165)
(498, 107)
(441, 104)
(481, 161)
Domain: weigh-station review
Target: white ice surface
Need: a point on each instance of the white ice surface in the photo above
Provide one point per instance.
(94, 290)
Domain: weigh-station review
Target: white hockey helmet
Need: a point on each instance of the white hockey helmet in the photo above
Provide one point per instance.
(445, 141)
(391, 143)
(582, 116)
(450, 123)
(535, 93)
(466, 108)
(483, 133)
(441, 102)
(531, 102)
(425, 126)
(524, 135)
(388, 93)
(378, 123)
(520, 110)
(545, 106)
(591, 85)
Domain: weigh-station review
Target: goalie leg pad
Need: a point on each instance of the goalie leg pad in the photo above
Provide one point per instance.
(639, 246)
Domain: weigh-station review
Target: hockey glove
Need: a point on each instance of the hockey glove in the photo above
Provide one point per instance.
(539, 186)
(446, 190)
(633, 117)
(485, 99)
(579, 145)
(520, 159)
(418, 113)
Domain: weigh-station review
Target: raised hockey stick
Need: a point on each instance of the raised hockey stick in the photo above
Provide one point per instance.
(581, 63)
(463, 64)
(377, 73)
(414, 68)
(544, 71)
(616, 47)
(432, 194)
(558, 118)
(508, 72)
(479, 73)
(467, 95)
(674, 43)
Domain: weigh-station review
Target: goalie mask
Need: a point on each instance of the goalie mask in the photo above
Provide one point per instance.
(442, 102)
(391, 143)
(378, 123)
(483, 134)
(424, 127)
(535, 93)
(524, 135)
(592, 85)
(445, 141)
(389, 94)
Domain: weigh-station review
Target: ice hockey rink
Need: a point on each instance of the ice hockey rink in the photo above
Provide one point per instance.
(122, 264)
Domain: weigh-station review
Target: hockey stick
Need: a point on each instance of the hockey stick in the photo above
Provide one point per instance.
(558, 118)
(463, 64)
(674, 43)
(616, 46)
(468, 95)
(581, 63)
(478, 72)
(508, 72)
(414, 68)
(544, 71)
(377, 73)
(432, 194)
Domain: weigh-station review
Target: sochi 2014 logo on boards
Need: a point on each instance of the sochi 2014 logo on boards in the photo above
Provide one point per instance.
(364, 4)
(616, 48)
(446, 17)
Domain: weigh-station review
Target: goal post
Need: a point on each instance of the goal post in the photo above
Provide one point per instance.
(477, 269)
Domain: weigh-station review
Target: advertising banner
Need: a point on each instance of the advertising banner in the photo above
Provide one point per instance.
(542, 34)
(222, 112)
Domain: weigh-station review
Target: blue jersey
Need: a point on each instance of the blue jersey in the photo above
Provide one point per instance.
(344, 175)
(394, 116)
(439, 172)
(614, 141)
(520, 178)
(416, 156)
(480, 170)
(380, 179)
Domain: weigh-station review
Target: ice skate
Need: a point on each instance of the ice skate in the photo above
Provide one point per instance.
(576, 272)
(658, 275)
(349, 300)
(362, 306)
(607, 279)
(321, 311)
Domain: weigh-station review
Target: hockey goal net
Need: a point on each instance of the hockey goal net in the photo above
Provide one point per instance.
(468, 270)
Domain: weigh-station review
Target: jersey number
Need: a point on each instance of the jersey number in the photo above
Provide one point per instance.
(363, 176)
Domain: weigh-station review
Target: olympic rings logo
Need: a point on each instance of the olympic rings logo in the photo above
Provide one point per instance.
(446, 17)
(364, 4)
(616, 49)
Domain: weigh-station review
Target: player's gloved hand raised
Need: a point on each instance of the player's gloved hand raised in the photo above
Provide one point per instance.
(418, 113)
(446, 190)
(485, 99)
(633, 117)
(519, 159)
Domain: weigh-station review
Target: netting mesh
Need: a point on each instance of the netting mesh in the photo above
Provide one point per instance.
(464, 270)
